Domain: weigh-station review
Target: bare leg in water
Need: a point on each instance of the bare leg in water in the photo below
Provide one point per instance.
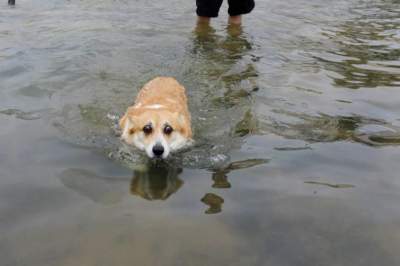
(233, 20)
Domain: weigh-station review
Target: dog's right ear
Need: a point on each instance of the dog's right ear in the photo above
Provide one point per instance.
(184, 125)
(126, 125)
(122, 122)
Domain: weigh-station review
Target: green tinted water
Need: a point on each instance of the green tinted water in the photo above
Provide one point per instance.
(296, 119)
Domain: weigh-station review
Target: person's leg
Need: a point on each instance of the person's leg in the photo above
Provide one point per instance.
(235, 20)
(207, 9)
(238, 8)
(203, 20)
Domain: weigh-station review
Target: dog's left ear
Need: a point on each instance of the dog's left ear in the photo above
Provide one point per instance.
(184, 125)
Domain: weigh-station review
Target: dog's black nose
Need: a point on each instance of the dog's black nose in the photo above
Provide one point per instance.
(158, 150)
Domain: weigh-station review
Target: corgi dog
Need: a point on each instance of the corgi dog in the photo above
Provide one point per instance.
(159, 121)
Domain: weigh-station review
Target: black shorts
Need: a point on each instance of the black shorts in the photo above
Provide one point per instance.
(210, 8)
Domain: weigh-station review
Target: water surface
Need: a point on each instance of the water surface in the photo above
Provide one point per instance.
(296, 118)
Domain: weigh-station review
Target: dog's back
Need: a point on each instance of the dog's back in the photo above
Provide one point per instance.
(165, 90)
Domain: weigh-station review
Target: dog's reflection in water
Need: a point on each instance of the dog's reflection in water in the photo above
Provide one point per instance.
(150, 181)
(156, 181)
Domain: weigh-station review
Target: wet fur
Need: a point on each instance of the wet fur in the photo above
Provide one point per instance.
(161, 101)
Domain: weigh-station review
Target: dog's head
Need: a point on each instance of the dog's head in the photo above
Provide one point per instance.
(156, 132)
(156, 181)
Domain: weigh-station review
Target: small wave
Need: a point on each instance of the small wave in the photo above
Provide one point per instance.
(33, 115)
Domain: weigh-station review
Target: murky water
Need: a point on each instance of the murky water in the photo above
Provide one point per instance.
(296, 119)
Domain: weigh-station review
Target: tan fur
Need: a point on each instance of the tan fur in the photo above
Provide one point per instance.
(161, 99)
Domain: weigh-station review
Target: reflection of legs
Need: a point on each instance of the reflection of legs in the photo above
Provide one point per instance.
(205, 39)
(234, 30)
(220, 179)
(203, 29)
(214, 203)
(220, 176)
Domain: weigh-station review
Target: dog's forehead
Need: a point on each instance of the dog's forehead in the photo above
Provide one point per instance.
(167, 117)
(155, 118)
(143, 118)
(140, 116)
(158, 118)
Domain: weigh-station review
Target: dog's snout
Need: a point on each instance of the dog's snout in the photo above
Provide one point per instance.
(158, 150)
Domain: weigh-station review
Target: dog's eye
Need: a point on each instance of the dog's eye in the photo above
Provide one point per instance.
(147, 129)
(168, 130)
(131, 131)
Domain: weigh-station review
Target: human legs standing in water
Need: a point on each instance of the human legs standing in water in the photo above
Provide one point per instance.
(207, 9)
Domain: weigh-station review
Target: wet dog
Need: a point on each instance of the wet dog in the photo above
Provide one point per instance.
(159, 121)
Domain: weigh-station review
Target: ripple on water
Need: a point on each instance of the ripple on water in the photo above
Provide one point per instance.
(365, 50)
(34, 91)
(325, 128)
(219, 73)
(33, 115)
(12, 72)
(384, 138)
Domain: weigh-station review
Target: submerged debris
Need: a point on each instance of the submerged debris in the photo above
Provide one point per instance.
(329, 184)
(214, 202)
(293, 148)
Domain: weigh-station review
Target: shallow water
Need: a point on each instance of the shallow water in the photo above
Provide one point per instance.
(296, 119)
